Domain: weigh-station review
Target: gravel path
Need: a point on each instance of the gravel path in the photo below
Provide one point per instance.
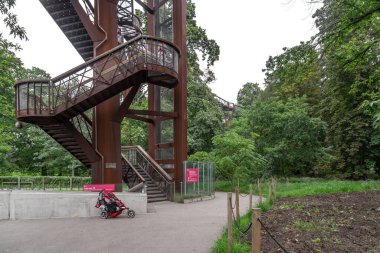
(168, 227)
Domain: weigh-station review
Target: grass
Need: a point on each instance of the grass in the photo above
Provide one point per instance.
(294, 187)
(298, 187)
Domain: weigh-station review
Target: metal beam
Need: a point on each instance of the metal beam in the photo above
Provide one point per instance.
(123, 109)
(153, 113)
(160, 4)
(145, 6)
(140, 118)
(94, 33)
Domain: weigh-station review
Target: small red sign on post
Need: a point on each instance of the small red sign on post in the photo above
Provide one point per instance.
(192, 175)
(98, 187)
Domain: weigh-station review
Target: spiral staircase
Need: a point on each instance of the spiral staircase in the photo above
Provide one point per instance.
(60, 106)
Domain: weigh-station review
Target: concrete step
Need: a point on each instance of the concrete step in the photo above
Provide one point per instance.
(158, 199)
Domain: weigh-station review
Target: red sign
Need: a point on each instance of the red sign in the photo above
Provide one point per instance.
(192, 175)
(98, 187)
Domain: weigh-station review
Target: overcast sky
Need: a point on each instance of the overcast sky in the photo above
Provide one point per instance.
(247, 31)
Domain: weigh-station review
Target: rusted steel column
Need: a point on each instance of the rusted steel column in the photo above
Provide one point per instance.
(107, 131)
(180, 91)
(151, 94)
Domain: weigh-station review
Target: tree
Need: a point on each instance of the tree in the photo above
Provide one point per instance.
(349, 39)
(287, 136)
(235, 157)
(205, 117)
(10, 19)
(294, 73)
(10, 67)
(248, 94)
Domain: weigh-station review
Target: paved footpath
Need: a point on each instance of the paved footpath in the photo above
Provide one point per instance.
(168, 227)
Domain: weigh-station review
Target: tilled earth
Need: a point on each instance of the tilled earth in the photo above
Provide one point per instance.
(346, 222)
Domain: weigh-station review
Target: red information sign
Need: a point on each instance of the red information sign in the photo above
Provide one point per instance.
(192, 175)
(98, 187)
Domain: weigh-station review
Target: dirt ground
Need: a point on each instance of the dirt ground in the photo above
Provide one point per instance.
(347, 222)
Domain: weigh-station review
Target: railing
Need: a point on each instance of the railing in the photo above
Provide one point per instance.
(43, 183)
(84, 126)
(137, 156)
(225, 104)
(198, 180)
(99, 72)
(33, 96)
(89, 9)
(131, 176)
(130, 24)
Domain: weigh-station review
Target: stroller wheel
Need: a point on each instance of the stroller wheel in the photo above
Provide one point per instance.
(104, 214)
(131, 214)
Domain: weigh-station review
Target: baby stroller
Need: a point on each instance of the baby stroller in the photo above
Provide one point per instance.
(111, 206)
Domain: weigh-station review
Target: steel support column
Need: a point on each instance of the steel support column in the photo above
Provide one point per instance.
(107, 130)
(151, 94)
(180, 91)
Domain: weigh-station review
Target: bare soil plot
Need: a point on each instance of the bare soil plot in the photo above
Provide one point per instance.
(347, 222)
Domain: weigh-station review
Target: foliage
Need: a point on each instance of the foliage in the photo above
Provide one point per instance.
(298, 187)
(10, 67)
(204, 117)
(247, 95)
(287, 136)
(236, 157)
(294, 73)
(349, 37)
(10, 19)
(203, 112)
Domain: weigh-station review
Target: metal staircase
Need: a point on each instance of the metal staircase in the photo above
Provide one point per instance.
(59, 105)
(158, 182)
(66, 15)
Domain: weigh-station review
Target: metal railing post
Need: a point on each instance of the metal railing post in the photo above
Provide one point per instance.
(203, 176)
(19, 182)
(184, 175)
(198, 177)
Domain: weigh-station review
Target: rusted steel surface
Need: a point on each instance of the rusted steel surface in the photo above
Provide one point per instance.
(180, 91)
(44, 97)
(116, 68)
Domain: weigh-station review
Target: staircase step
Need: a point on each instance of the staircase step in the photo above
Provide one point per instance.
(156, 195)
(158, 199)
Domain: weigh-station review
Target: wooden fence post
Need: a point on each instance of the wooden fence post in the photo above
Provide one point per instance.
(250, 196)
(269, 191)
(237, 195)
(256, 231)
(259, 185)
(274, 187)
(229, 221)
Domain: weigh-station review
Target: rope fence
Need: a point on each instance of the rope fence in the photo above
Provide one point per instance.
(255, 224)
(271, 236)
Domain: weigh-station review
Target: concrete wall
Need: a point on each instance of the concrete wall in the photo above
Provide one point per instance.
(4, 205)
(42, 205)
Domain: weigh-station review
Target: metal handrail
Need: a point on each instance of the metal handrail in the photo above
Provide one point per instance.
(133, 168)
(84, 78)
(161, 178)
(152, 162)
(104, 55)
